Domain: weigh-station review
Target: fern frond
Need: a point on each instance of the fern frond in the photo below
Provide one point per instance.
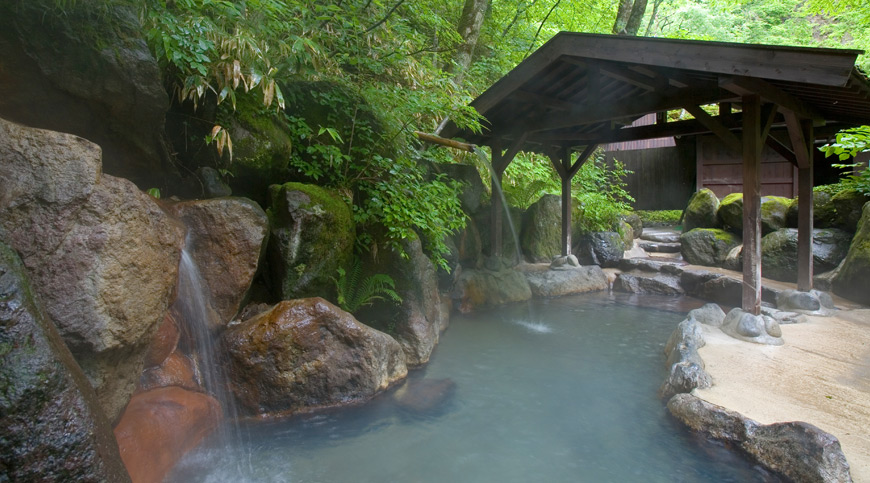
(353, 293)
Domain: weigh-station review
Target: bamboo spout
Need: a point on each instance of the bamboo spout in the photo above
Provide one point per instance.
(431, 138)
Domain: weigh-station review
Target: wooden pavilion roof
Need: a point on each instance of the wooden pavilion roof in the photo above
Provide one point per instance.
(583, 89)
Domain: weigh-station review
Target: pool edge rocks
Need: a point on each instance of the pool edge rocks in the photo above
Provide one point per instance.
(797, 450)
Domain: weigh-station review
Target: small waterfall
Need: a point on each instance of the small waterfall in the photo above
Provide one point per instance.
(198, 323)
(496, 186)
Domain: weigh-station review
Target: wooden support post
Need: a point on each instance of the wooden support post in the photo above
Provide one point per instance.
(561, 160)
(805, 211)
(752, 144)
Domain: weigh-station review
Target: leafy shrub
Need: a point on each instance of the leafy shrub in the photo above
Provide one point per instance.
(599, 193)
(848, 144)
(598, 189)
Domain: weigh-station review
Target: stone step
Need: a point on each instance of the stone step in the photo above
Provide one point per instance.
(661, 236)
(659, 247)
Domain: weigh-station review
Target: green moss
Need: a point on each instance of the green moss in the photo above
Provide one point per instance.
(731, 198)
(671, 217)
(770, 203)
(305, 267)
(330, 200)
(722, 235)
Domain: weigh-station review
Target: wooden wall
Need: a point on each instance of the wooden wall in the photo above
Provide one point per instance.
(721, 170)
(663, 179)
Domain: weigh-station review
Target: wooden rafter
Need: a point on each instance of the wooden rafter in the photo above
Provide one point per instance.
(596, 112)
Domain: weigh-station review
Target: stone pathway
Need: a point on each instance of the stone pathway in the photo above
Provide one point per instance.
(821, 376)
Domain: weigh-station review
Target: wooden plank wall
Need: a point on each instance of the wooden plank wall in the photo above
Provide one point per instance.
(663, 179)
(722, 171)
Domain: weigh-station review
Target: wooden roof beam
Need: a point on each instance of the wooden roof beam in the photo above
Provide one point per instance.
(730, 139)
(594, 111)
(633, 78)
(773, 142)
(747, 85)
(542, 100)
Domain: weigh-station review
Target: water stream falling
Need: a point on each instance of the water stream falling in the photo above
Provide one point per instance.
(197, 321)
(496, 186)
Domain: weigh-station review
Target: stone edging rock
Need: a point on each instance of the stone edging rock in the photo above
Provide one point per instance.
(686, 366)
(798, 450)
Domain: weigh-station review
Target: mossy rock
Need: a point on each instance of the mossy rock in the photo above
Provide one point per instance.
(701, 211)
(707, 246)
(262, 148)
(634, 220)
(730, 212)
(773, 212)
(779, 252)
(848, 205)
(626, 232)
(312, 237)
(604, 249)
(337, 104)
(541, 238)
(853, 277)
(824, 213)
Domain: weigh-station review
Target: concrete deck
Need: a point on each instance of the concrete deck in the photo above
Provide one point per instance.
(821, 376)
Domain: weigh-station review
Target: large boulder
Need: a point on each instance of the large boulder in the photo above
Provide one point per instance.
(635, 222)
(566, 280)
(848, 205)
(853, 276)
(541, 238)
(485, 288)
(824, 213)
(226, 240)
(730, 212)
(308, 353)
(262, 148)
(312, 237)
(51, 425)
(773, 213)
(779, 251)
(102, 255)
(659, 283)
(416, 322)
(604, 249)
(707, 246)
(701, 211)
(88, 72)
(159, 426)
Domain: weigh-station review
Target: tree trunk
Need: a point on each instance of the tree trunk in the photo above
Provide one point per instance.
(634, 20)
(469, 29)
(622, 16)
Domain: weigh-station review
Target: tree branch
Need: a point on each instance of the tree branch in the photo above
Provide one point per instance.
(379, 22)
(540, 27)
